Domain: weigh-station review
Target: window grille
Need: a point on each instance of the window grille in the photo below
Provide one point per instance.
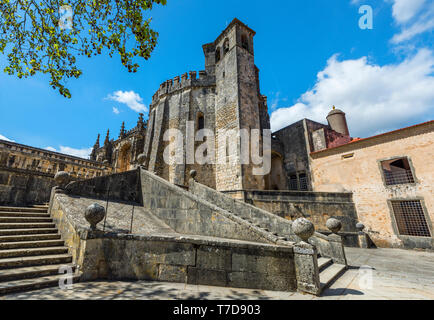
(303, 181)
(410, 218)
(293, 182)
(397, 171)
(398, 177)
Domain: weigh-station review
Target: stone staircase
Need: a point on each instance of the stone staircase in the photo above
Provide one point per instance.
(268, 223)
(31, 250)
(329, 271)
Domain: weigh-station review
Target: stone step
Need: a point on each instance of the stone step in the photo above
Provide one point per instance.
(328, 275)
(26, 225)
(33, 284)
(32, 272)
(10, 232)
(34, 261)
(24, 214)
(322, 263)
(12, 253)
(31, 244)
(29, 237)
(24, 219)
(44, 206)
(23, 209)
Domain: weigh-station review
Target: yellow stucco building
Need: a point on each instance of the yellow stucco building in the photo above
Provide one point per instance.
(391, 176)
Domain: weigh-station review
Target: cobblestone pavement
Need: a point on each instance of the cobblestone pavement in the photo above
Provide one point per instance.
(396, 274)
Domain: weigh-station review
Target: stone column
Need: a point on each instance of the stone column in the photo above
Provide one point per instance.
(335, 240)
(305, 258)
(362, 236)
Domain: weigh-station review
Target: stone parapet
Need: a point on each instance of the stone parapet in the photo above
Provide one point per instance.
(185, 81)
(170, 256)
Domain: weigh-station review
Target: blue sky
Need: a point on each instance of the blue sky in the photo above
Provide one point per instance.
(311, 54)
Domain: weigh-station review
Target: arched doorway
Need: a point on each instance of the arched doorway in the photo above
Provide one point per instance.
(124, 159)
(277, 179)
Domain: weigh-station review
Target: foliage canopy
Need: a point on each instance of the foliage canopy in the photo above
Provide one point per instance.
(47, 36)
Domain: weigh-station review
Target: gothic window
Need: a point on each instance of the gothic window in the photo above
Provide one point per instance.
(217, 54)
(226, 46)
(11, 161)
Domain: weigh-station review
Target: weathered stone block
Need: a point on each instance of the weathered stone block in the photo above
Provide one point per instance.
(206, 277)
(213, 258)
(254, 280)
(172, 273)
(306, 268)
(262, 262)
(172, 253)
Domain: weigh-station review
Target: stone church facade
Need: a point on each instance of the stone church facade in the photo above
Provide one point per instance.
(225, 96)
(317, 171)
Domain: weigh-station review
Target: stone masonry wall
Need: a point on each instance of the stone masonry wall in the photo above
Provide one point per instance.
(318, 207)
(173, 257)
(20, 187)
(26, 173)
(188, 214)
(124, 186)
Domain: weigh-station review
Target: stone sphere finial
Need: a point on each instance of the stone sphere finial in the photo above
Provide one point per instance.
(94, 214)
(193, 174)
(360, 226)
(141, 158)
(62, 178)
(334, 225)
(303, 228)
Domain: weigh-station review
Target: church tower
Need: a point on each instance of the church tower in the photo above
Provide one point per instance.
(237, 104)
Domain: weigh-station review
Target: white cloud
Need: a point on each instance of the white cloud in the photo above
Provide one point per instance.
(413, 16)
(130, 98)
(81, 153)
(373, 97)
(404, 10)
(4, 138)
(115, 110)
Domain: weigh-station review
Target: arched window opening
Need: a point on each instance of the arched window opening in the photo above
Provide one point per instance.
(244, 42)
(226, 46)
(200, 121)
(217, 54)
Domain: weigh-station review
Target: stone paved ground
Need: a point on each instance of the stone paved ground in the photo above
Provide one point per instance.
(396, 274)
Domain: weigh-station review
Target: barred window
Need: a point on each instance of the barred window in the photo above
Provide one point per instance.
(410, 218)
(397, 171)
(303, 181)
(293, 182)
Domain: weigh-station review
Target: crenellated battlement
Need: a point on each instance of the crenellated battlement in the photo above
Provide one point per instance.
(186, 80)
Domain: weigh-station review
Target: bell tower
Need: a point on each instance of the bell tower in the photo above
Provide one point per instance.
(237, 104)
